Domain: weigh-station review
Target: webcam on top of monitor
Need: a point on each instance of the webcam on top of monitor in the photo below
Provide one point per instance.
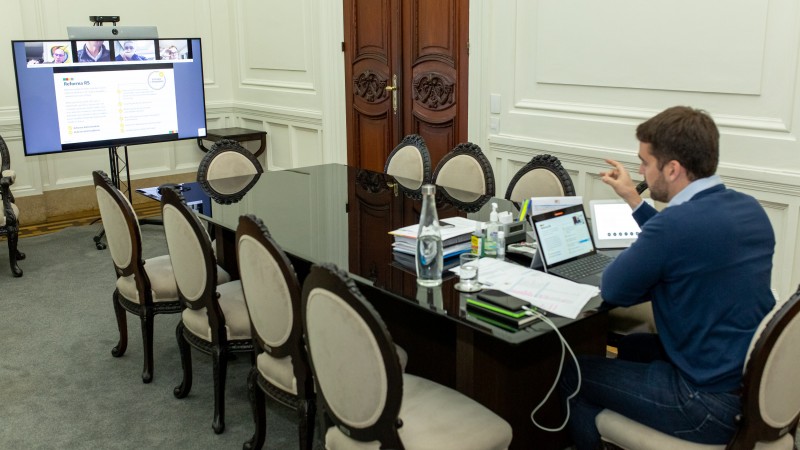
(100, 20)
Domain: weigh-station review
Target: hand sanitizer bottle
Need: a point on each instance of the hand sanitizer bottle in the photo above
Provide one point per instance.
(429, 255)
(490, 243)
(477, 239)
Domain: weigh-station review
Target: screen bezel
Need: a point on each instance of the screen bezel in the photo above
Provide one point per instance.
(196, 94)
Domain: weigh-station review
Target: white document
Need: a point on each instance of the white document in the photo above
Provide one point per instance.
(449, 227)
(548, 292)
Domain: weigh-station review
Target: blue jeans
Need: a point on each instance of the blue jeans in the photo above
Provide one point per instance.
(650, 392)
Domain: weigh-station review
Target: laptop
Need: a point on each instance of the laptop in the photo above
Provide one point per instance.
(566, 246)
(613, 225)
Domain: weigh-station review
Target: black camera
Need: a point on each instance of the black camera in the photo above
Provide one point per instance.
(99, 20)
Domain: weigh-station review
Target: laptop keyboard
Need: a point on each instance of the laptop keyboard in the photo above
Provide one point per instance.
(583, 267)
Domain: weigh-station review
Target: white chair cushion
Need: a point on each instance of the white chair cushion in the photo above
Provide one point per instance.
(277, 371)
(633, 319)
(162, 281)
(629, 434)
(231, 301)
(436, 417)
(10, 174)
(3, 213)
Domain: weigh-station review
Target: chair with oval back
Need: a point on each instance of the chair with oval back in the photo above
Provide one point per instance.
(362, 389)
(410, 164)
(144, 287)
(9, 212)
(542, 176)
(228, 171)
(770, 394)
(272, 294)
(465, 177)
(215, 319)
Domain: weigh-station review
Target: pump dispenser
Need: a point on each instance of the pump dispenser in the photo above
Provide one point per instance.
(490, 243)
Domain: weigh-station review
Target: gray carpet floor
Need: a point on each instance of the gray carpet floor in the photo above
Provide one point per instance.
(61, 388)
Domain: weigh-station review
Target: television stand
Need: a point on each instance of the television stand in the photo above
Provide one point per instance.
(119, 165)
(237, 134)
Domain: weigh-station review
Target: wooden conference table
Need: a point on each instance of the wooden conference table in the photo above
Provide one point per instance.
(340, 214)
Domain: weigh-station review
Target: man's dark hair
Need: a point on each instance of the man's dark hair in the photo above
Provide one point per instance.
(686, 135)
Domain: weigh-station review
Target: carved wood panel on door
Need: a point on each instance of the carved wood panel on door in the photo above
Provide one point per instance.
(406, 72)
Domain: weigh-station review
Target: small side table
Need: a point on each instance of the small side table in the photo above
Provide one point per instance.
(237, 134)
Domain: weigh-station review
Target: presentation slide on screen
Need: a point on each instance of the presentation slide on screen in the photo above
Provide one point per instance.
(562, 237)
(98, 106)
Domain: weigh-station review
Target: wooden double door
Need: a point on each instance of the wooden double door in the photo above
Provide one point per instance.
(406, 72)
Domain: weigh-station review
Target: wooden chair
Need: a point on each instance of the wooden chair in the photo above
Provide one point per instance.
(410, 164)
(144, 288)
(9, 212)
(466, 177)
(542, 176)
(770, 394)
(272, 295)
(363, 390)
(215, 319)
(228, 171)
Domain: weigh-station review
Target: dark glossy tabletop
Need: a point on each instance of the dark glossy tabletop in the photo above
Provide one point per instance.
(340, 214)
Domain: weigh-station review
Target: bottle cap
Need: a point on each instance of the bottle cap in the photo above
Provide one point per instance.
(501, 234)
(428, 189)
(493, 214)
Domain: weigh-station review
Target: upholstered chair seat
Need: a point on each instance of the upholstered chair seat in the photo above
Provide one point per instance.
(159, 270)
(3, 218)
(11, 175)
(625, 433)
(770, 394)
(237, 322)
(9, 212)
(430, 425)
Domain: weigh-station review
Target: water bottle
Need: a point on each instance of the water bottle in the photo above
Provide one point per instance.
(429, 241)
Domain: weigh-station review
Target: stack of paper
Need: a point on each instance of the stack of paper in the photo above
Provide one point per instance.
(456, 233)
(545, 291)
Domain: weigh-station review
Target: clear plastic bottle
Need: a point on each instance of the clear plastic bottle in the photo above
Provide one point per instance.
(429, 241)
(501, 245)
(490, 241)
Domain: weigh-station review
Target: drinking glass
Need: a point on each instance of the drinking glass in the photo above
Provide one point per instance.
(468, 273)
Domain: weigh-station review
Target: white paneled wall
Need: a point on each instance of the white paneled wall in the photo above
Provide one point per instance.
(575, 78)
(263, 69)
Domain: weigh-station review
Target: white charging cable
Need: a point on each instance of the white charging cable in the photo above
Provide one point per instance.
(564, 345)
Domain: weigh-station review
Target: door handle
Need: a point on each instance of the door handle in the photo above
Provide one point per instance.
(393, 90)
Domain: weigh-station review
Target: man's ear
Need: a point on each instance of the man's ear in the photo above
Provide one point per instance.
(674, 170)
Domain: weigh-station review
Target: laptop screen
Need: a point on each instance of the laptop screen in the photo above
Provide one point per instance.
(563, 235)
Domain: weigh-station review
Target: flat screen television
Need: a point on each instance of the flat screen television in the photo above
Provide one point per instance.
(79, 95)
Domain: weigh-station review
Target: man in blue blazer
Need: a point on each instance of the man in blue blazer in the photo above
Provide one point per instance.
(705, 262)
